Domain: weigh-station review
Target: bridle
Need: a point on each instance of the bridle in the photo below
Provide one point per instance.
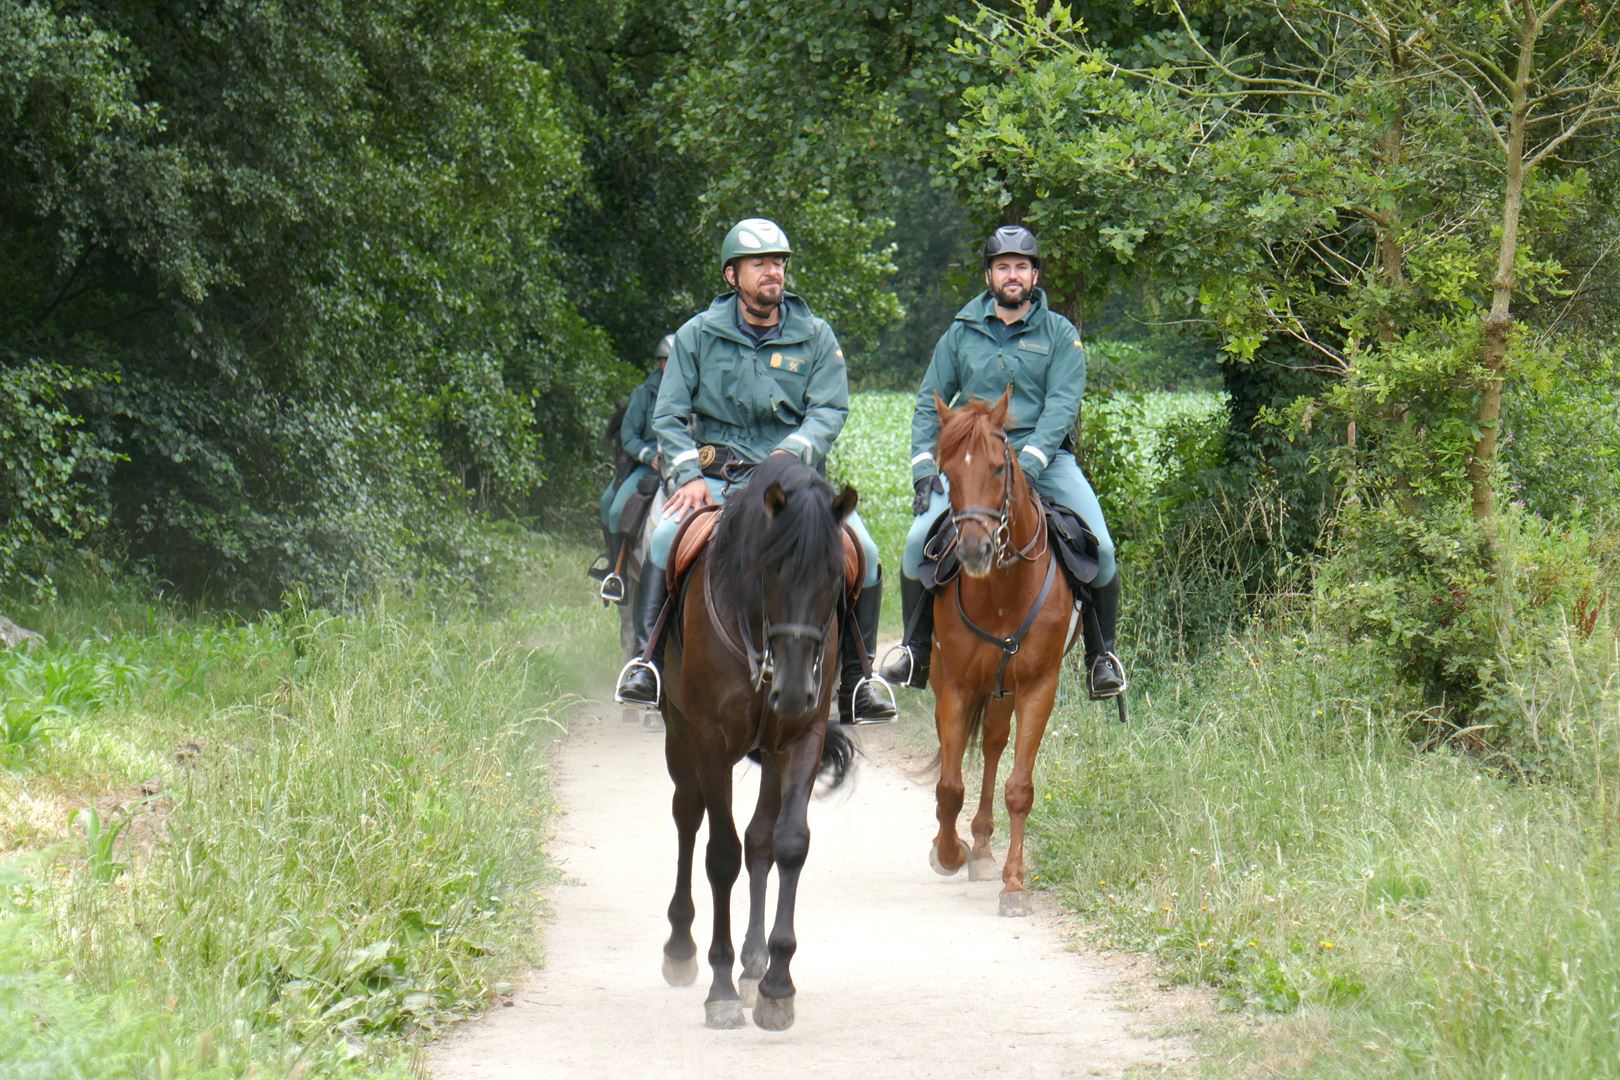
(995, 520)
(762, 662)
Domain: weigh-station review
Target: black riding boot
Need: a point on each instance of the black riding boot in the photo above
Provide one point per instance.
(910, 665)
(603, 566)
(862, 702)
(1105, 674)
(641, 682)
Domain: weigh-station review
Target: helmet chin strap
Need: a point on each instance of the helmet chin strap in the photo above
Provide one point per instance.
(757, 313)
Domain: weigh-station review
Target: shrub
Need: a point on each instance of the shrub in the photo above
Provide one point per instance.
(1461, 614)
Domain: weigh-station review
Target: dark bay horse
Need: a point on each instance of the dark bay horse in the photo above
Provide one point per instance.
(1000, 632)
(751, 671)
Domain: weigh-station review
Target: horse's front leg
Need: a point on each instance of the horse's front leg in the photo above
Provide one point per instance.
(757, 853)
(997, 726)
(723, 861)
(1034, 707)
(773, 1009)
(680, 951)
(951, 718)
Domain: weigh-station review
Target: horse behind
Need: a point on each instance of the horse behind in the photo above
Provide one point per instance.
(1000, 632)
(751, 671)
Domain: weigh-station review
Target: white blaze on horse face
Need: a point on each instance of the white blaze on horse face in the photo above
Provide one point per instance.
(969, 458)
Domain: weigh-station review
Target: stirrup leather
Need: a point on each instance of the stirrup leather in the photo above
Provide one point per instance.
(1124, 680)
(612, 590)
(855, 694)
(658, 685)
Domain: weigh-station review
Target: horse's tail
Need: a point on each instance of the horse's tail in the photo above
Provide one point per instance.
(837, 757)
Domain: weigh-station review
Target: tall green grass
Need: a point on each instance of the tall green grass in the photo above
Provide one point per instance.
(342, 850)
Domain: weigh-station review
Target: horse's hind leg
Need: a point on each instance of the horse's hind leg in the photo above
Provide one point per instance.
(680, 951)
(790, 841)
(757, 854)
(1034, 707)
(997, 726)
(723, 861)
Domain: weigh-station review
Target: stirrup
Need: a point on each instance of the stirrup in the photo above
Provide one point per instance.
(911, 663)
(1124, 680)
(612, 590)
(855, 694)
(658, 685)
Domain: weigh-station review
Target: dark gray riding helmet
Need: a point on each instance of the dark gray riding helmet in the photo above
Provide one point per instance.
(1012, 240)
(665, 343)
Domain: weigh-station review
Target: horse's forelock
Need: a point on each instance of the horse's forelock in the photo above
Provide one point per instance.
(795, 542)
(967, 429)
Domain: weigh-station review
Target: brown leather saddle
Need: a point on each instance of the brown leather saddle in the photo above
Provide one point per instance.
(698, 529)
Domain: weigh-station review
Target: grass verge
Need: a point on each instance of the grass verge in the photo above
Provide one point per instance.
(283, 847)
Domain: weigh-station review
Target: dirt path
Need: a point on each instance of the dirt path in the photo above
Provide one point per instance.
(900, 973)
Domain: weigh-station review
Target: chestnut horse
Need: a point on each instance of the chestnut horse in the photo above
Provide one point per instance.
(1000, 632)
(751, 671)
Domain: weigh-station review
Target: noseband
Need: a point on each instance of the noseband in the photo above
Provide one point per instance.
(763, 662)
(995, 520)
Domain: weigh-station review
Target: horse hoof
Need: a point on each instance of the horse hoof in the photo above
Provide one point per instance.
(984, 869)
(773, 1014)
(680, 972)
(724, 1014)
(939, 867)
(748, 990)
(1015, 905)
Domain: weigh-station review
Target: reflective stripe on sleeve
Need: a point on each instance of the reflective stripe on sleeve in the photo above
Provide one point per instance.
(1037, 453)
(924, 456)
(682, 457)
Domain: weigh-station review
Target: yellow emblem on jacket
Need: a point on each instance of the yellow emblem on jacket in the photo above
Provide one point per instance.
(792, 363)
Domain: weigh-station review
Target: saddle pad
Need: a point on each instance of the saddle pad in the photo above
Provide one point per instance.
(698, 529)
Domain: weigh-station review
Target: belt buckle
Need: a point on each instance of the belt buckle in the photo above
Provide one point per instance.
(705, 456)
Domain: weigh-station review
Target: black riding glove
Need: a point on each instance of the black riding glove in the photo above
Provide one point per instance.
(925, 494)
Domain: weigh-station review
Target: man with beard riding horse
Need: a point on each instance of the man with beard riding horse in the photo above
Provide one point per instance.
(755, 374)
(1009, 336)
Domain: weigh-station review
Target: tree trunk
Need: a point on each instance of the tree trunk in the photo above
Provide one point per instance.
(1493, 350)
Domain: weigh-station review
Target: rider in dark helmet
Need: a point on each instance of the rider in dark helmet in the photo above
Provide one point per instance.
(641, 452)
(754, 374)
(1008, 335)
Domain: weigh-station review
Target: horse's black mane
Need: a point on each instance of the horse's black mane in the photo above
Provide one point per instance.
(800, 543)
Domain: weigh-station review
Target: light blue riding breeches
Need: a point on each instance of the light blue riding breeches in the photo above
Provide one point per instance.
(612, 511)
(1061, 482)
(664, 534)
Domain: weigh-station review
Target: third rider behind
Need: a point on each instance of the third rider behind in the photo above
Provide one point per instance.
(1007, 335)
(753, 375)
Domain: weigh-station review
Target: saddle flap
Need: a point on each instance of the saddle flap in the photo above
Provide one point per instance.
(854, 563)
(1075, 544)
(689, 543)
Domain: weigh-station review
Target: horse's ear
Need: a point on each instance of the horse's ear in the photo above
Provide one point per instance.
(941, 408)
(775, 500)
(844, 504)
(998, 411)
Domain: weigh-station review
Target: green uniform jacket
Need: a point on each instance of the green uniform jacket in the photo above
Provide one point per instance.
(1042, 360)
(635, 429)
(790, 393)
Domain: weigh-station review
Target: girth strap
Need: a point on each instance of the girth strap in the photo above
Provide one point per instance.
(1009, 645)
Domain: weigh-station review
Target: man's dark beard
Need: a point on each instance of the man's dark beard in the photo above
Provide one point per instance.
(1010, 305)
(759, 313)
